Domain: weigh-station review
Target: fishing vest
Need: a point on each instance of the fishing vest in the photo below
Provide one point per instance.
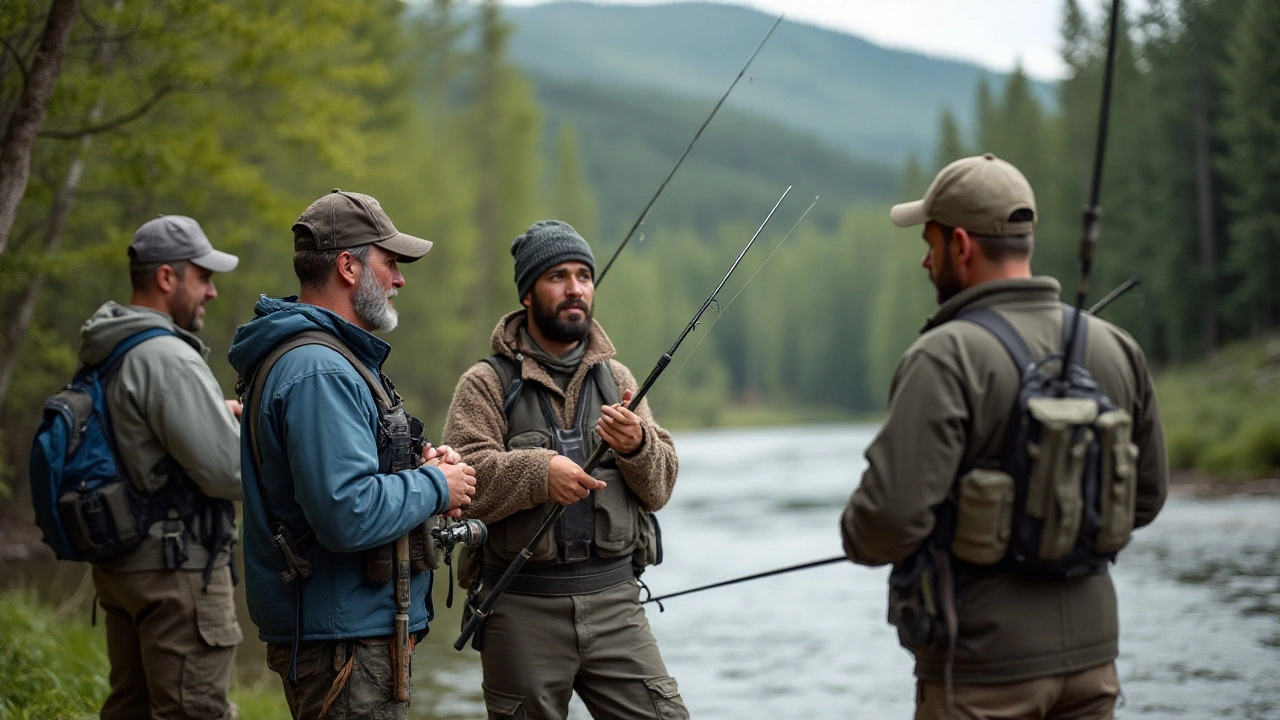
(610, 523)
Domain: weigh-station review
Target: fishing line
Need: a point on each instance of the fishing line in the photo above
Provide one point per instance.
(720, 311)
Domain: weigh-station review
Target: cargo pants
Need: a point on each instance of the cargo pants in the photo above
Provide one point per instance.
(171, 643)
(536, 651)
(354, 678)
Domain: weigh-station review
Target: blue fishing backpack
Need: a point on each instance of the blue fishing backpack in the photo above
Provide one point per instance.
(85, 504)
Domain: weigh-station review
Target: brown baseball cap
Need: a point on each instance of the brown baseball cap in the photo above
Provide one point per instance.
(975, 193)
(347, 219)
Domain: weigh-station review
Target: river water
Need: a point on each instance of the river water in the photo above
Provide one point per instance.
(1199, 598)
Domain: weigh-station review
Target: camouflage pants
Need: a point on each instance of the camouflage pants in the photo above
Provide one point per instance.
(367, 692)
(171, 643)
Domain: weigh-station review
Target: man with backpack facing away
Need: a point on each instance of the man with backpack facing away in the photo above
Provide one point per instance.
(999, 499)
(335, 469)
(170, 616)
(528, 417)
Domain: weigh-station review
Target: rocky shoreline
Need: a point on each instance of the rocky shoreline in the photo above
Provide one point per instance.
(1195, 483)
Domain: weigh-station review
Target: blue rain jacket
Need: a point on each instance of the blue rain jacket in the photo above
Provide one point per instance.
(320, 470)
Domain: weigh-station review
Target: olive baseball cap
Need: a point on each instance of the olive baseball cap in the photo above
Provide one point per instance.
(343, 219)
(175, 238)
(975, 193)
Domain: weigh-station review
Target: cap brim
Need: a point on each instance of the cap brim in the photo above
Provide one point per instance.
(908, 214)
(407, 247)
(217, 261)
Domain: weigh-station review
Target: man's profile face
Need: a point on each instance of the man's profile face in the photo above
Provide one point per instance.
(192, 290)
(937, 260)
(561, 300)
(380, 280)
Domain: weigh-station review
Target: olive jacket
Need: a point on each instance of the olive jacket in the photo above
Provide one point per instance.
(949, 408)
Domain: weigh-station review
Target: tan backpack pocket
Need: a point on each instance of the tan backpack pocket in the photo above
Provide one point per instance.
(984, 513)
(1118, 482)
(1057, 469)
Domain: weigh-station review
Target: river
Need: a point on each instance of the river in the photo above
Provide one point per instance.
(1199, 598)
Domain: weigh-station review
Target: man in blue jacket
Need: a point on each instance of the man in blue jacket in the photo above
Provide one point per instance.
(327, 479)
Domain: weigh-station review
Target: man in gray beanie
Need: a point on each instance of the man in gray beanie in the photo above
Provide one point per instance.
(527, 418)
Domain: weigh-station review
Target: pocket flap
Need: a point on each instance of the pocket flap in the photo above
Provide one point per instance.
(502, 705)
(1063, 411)
(664, 686)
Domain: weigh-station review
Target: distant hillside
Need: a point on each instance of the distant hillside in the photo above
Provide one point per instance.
(871, 101)
(631, 138)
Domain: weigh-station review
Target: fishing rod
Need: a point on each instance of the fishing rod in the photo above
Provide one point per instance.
(756, 576)
(1121, 289)
(479, 613)
(1093, 211)
(714, 110)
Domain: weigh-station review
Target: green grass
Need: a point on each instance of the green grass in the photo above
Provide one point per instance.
(1222, 415)
(53, 665)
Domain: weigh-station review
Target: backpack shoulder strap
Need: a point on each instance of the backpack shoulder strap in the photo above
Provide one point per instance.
(259, 380)
(129, 343)
(997, 325)
(509, 375)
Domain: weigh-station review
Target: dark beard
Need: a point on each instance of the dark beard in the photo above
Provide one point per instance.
(557, 330)
(947, 284)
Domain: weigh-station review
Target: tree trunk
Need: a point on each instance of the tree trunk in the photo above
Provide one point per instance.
(20, 134)
(1209, 335)
(16, 334)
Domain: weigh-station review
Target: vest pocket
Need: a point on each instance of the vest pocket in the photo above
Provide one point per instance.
(616, 511)
(1057, 468)
(512, 533)
(984, 513)
(1119, 480)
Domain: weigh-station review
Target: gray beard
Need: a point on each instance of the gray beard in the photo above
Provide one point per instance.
(370, 304)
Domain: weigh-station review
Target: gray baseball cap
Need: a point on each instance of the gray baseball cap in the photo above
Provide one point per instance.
(342, 220)
(174, 238)
(978, 194)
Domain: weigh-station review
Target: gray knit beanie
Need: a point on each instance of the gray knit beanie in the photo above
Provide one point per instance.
(545, 244)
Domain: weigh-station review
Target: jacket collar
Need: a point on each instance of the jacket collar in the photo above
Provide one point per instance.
(996, 292)
(506, 341)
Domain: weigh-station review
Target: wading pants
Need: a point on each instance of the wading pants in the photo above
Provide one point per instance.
(171, 644)
(354, 677)
(1086, 695)
(537, 651)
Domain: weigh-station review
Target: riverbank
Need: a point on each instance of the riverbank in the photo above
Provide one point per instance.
(55, 666)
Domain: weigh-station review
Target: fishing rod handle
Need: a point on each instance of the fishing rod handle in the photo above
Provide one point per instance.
(481, 612)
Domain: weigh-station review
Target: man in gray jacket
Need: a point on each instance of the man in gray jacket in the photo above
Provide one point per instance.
(170, 616)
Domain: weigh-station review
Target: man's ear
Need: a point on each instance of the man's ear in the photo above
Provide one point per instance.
(527, 300)
(166, 279)
(964, 247)
(348, 270)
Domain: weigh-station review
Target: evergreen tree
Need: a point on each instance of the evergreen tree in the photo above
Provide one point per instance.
(1251, 129)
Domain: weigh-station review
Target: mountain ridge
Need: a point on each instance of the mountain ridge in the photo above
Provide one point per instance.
(872, 101)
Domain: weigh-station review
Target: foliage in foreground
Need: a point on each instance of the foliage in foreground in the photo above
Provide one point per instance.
(55, 666)
(52, 668)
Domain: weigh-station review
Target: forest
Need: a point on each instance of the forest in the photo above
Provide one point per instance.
(239, 113)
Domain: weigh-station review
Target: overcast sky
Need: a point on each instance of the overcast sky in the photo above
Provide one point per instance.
(993, 33)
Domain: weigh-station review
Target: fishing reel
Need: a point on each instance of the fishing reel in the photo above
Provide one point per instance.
(467, 533)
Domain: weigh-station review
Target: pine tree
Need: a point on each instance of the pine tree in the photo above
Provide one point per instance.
(1251, 129)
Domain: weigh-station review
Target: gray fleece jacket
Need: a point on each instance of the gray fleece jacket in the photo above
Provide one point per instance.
(164, 401)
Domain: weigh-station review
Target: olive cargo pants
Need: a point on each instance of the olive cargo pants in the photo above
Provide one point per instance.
(537, 651)
(171, 643)
(1086, 695)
